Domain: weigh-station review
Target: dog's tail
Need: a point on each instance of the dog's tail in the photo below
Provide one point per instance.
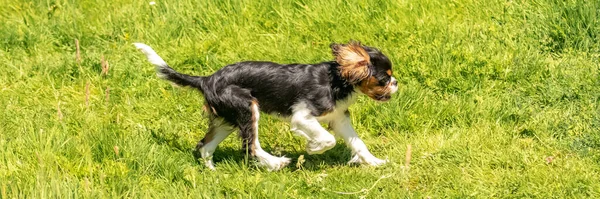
(165, 72)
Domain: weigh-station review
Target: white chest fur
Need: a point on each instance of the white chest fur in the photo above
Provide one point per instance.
(339, 110)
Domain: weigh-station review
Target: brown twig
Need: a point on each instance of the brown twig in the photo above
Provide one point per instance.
(87, 94)
(77, 53)
(104, 65)
(116, 149)
(58, 111)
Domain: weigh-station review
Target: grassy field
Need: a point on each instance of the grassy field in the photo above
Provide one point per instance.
(497, 99)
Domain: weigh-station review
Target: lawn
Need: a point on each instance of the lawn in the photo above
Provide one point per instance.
(497, 99)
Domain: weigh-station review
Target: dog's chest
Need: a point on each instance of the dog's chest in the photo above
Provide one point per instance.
(339, 109)
(337, 112)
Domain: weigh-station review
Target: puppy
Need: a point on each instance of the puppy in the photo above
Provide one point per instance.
(303, 94)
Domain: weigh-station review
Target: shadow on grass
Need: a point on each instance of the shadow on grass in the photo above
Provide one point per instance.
(335, 157)
(172, 140)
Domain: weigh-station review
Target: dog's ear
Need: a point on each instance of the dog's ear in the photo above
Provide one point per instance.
(353, 60)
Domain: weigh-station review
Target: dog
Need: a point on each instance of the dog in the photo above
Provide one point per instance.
(303, 94)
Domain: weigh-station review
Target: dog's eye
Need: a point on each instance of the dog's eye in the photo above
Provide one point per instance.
(384, 81)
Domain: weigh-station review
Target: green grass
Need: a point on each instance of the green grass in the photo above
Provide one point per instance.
(496, 98)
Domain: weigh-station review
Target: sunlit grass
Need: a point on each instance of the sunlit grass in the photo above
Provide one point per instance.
(496, 98)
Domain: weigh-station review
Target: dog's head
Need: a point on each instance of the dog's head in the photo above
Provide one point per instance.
(366, 68)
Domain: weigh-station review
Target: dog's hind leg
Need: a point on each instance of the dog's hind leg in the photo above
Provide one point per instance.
(251, 145)
(218, 130)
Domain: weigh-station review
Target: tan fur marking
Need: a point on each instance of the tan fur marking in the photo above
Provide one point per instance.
(325, 113)
(254, 121)
(353, 61)
(213, 110)
(371, 88)
(389, 72)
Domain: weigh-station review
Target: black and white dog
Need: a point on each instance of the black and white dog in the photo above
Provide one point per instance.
(303, 94)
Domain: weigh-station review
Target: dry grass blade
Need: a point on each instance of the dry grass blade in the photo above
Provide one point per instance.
(87, 94)
(104, 65)
(107, 94)
(59, 113)
(77, 53)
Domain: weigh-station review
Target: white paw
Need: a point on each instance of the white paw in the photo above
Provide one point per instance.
(209, 164)
(369, 160)
(274, 163)
(319, 146)
(207, 157)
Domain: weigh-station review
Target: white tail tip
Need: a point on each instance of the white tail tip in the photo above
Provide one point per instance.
(150, 54)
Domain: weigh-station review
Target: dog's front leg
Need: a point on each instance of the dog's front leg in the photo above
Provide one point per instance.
(307, 126)
(360, 154)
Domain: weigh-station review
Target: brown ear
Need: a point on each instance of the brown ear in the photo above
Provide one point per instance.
(353, 61)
